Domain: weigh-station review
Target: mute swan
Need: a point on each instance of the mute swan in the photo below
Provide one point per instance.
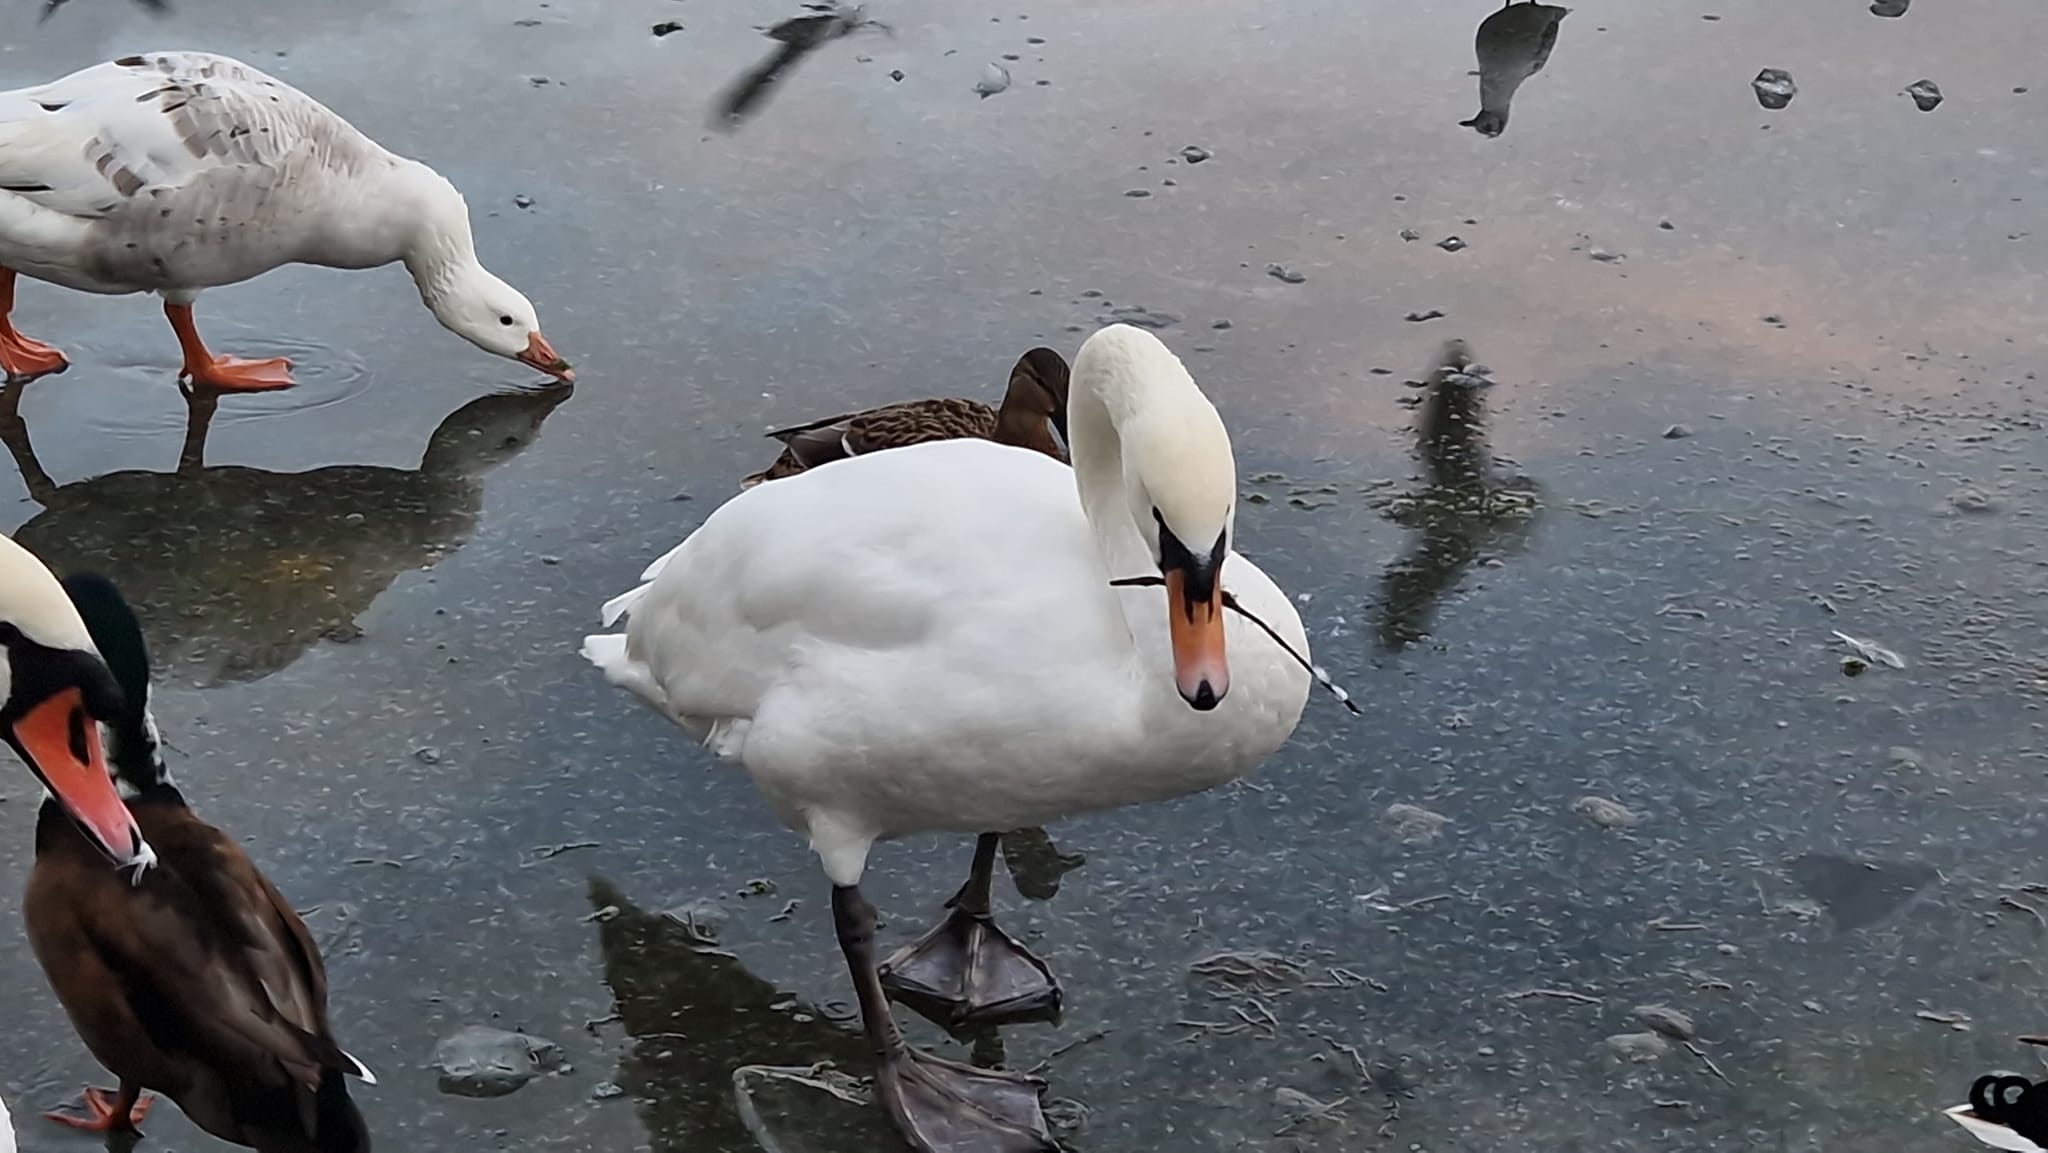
(927, 640)
(1037, 394)
(172, 172)
(196, 979)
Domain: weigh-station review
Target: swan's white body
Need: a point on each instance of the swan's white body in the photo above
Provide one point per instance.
(926, 639)
(177, 171)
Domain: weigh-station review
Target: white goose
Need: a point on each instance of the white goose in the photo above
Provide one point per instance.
(172, 172)
(927, 640)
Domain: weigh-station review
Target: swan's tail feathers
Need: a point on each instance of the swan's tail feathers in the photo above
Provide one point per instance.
(615, 609)
(608, 652)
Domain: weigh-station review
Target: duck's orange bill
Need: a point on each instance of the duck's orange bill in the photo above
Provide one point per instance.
(62, 744)
(1196, 628)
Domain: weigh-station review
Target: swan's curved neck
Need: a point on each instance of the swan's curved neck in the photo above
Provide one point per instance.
(1098, 455)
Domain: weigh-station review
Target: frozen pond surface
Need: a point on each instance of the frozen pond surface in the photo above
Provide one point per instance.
(369, 590)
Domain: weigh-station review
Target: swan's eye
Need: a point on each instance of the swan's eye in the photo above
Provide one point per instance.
(506, 321)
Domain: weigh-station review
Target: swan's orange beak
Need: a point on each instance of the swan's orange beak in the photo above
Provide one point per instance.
(540, 354)
(1196, 627)
(61, 743)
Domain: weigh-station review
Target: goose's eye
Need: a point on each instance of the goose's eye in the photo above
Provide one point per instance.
(506, 321)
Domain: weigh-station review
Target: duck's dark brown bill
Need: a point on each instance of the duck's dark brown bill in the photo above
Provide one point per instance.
(62, 745)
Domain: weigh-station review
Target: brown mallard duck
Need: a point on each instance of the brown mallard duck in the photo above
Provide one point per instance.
(1037, 395)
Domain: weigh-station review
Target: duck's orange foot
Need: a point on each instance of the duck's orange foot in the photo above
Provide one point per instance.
(102, 1112)
(26, 359)
(233, 374)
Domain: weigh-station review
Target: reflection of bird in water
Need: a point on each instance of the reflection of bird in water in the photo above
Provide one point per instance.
(800, 36)
(2007, 1111)
(696, 1014)
(1513, 45)
(237, 571)
(1036, 864)
(1464, 508)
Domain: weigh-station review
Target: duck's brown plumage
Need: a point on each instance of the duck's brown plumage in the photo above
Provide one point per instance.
(200, 982)
(1037, 395)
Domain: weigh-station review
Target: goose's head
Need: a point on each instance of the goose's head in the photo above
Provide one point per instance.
(54, 691)
(494, 316)
(460, 292)
(1181, 478)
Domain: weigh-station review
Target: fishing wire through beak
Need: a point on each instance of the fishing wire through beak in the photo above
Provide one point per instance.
(1230, 602)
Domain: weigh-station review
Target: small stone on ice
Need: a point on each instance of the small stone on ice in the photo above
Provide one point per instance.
(1926, 94)
(1892, 8)
(1677, 432)
(668, 26)
(994, 79)
(480, 1061)
(1450, 244)
(1138, 193)
(1608, 814)
(1604, 256)
(896, 74)
(606, 1091)
(1410, 234)
(1666, 1020)
(1413, 824)
(1194, 154)
(1774, 88)
(522, 201)
(1419, 316)
(1637, 1048)
(1972, 500)
(1285, 275)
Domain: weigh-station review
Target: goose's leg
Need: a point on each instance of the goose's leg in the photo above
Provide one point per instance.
(107, 1110)
(24, 359)
(967, 970)
(939, 1106)
(228, 373)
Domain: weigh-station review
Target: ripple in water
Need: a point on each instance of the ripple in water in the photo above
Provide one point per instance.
(142, 400)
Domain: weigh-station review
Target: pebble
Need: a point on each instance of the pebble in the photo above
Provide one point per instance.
(1972, 500)
(1666, 225)
(668, 26)
(1419, 317)
(1413, 824)
(896, 74)
(481, 1061)
(1450, 244)
(1138, 193)
(995, 79)
(1677, 432)
(1774, 88)
(1195, 154)
(522, 201)
(1608, 814)
(703, 919)
(1410, 234)
(1637, 1048)
(606, 1091)
(1285, 275)
(1219, 325)
(1670, 1022)
(1926, 94)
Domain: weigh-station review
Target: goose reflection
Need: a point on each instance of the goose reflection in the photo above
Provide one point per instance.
(1513, 44)
(1464, 510)
(237, 571)
(695, 1014)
